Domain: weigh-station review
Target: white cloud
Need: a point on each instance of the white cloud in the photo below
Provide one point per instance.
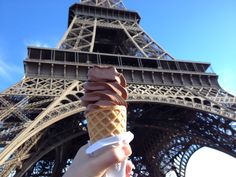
(36, 43)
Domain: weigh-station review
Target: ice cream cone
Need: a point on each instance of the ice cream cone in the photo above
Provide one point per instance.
(105, 100)
(106, 121)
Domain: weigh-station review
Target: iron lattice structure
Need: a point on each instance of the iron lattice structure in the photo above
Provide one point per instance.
(178, 105)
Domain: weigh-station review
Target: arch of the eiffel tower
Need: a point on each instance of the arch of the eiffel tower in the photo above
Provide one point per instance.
(175, 107)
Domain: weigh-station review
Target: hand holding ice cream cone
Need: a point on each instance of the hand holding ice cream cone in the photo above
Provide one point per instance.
(86, 166)
(106, 114)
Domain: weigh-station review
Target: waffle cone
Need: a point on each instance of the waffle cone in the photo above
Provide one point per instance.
(106, 121)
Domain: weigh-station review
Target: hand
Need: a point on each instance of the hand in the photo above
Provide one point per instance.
(86, 166)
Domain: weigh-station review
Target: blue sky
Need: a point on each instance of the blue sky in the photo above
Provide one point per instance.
(188, 29)
(202, 30)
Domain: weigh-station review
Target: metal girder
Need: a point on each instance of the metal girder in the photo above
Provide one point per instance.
(117, 4)
(82, 30)
(179, 133)
(38, 103)
(174, 149)
(58, 113)
(146, 93)
(55, 112)
(63, 106)
(80, 35)
(177, 96)
(145, 44)
(8, 129)
(108, 23)
(51, 143)
(19, 155)
(23, 135)
(39, 87)
(166, 94)
(214, 94)
(67, 32)
(94, 34)
(14, 109)
(169, 157)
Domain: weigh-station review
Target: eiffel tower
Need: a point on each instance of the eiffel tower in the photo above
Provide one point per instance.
(175, 107)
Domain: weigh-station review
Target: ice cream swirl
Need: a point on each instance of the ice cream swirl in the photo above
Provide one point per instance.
(105, 87)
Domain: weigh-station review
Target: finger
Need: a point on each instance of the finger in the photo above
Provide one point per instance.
(129, 167)
(111, 157)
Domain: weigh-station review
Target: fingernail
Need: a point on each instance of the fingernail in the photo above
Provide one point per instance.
(127, 150)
